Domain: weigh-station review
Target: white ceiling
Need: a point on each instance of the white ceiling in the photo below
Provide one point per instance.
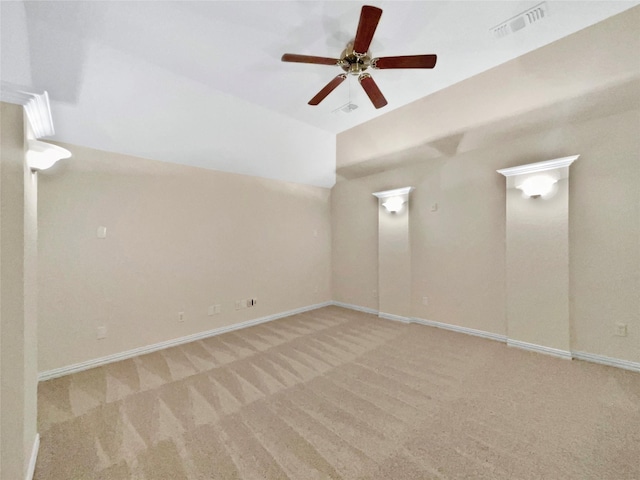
(201, 83)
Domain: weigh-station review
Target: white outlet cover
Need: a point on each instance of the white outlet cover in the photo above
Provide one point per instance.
(217, 309)
(621, 329)
(211, 310)
(101, 332)
(101, 232)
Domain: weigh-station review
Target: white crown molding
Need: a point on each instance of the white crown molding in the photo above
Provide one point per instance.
(538, 167)
(556, 352)
(31, 469)
(36, 106)
(96, 362)
(396, 192)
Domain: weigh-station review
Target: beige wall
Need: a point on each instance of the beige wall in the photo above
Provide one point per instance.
(604, 238)
(179, 239)
(354, 243)
(458, 251)
(394, 261)
(538, 268)
(18, 296)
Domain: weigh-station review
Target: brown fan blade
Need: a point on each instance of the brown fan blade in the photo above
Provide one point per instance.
(329, 87)
(292, 57)
(369, 18)
(372, 90)
(407, 61)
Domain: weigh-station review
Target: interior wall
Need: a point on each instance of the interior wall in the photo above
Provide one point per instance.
(538, 267)
(604, 238)
(18, 297)
(458, 249)
(179, 239)
(394, 260)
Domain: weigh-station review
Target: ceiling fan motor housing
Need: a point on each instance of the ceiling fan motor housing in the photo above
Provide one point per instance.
(355, 59)
(352, 62)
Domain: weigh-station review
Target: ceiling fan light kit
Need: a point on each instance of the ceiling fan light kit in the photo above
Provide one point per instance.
(356, 59)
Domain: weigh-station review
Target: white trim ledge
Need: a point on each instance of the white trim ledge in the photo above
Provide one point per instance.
(612, 362)
(556, 352)
(96, 362)
(34, 457)
(538, 166)
(395, 318)
(456, 328)
(358, 308)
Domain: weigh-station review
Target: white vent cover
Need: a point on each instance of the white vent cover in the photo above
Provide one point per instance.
(346, 108)
(522, 20)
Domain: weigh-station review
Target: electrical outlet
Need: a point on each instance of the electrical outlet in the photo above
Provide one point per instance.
(242, 303)
(211, 310)
(254, 302)
(101, 332)
(181, 316)
(621, 330)
(425, 300)
(217, 309)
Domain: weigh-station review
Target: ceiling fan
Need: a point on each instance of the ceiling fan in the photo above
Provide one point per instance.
(356, 59)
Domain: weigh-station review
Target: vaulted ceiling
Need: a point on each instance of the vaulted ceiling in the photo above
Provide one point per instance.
(201, 83)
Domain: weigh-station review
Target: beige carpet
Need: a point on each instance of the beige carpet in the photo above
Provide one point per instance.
(344, 395)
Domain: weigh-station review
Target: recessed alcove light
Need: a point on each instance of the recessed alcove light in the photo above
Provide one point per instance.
(537, 186)
(394, 200)
(538, 179)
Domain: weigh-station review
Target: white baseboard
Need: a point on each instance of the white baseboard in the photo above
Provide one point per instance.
(78, 367)
(395, 318)
(34, 457)
(355, 307)
(613, 362)
(556, 352)
(456, 328)
(386, 316)
(589, 357)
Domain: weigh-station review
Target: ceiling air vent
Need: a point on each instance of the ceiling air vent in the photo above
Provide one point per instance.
(522, 20)
(346, 108)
